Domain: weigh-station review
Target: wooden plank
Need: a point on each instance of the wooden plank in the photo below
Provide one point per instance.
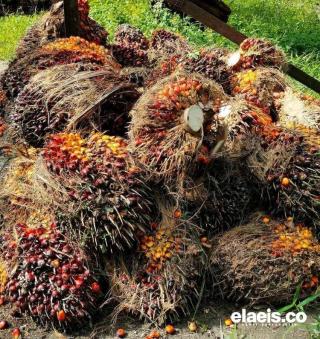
(301, 76)
(71, 17)
(201, 15)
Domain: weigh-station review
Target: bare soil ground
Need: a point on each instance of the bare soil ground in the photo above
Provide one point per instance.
(210, 320)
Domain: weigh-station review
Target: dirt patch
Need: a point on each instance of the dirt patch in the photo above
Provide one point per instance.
(210, 320)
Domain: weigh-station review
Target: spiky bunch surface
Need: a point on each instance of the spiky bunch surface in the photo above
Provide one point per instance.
(130, 47)
(293, 183)
(160, 140)
(113, 199)
(52, 282)
(228, 197)
(165, 277)
(265, 262)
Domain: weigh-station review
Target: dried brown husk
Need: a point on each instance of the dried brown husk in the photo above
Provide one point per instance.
(74, 96)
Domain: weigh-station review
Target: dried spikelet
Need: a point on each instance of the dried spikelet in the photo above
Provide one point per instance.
(71, 96)
(3, 276)
(161, 138)
(164, 281)
(265, 262)
(300, 115)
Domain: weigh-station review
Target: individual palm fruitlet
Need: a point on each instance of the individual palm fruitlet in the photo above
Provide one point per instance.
(280, 254)
(52, 282)
(130, 47)
(112, 197)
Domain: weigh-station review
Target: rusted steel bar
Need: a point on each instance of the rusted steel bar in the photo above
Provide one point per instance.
(198, 13)
(71, 17)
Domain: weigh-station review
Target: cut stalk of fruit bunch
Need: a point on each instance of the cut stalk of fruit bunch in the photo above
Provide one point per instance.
(268, 249)
(75, 95)
(169, 124)
(130, 47)
(113, 200)
(52, 281)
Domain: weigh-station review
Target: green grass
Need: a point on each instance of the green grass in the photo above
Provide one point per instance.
(12, 28)
(292, 24)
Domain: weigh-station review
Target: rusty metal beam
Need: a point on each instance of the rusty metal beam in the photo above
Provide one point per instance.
(71, 18)
(193, 10)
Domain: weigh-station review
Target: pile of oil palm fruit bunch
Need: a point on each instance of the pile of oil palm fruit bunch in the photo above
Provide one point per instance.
(145, 176)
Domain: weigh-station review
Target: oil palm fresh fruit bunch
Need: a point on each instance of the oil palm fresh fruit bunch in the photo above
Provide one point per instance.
(61, 52)
(168, 43)
(52, 26)
(63, 96)
(301, 114)
(113, 201)
(292, 179)
(130, 47)
(212, 64)
(256, 53)
(227, 197)
(52, 282)
(160, 283)
(258, 87)
(266, 261)
(169, 123)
